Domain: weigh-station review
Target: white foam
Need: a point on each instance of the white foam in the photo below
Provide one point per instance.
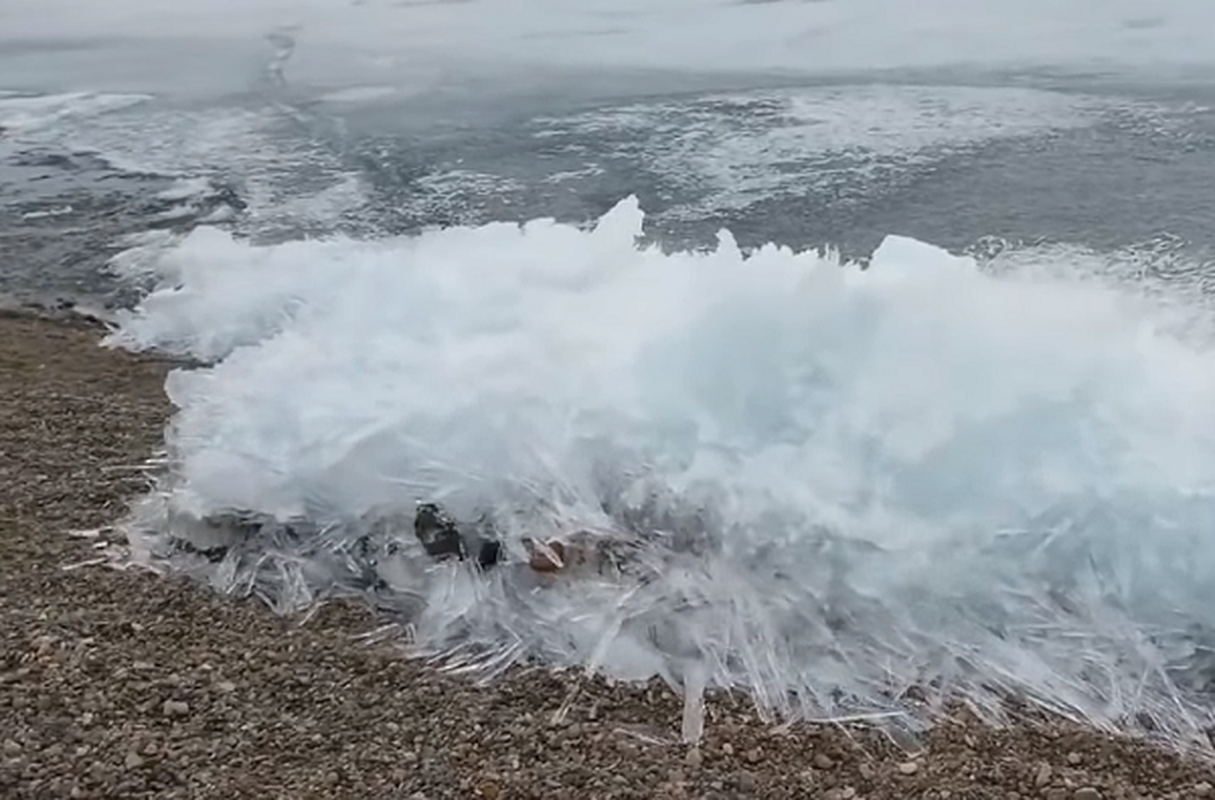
(921, 471)
(186, 189)
(28, 113)
(729, 150)
(57, 211)
(358, 94)
(210, 151)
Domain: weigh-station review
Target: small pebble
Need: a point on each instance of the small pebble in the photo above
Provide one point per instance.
(823, 761)
(909, 767)
(1043, 775)
(1087, 793)
(1074, 758)
(1202, 790)
(175, 708)
(694, 758)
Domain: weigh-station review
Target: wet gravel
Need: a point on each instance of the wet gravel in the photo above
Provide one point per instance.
(118, 684)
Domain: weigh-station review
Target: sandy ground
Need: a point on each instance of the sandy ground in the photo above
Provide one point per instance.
(127, 685)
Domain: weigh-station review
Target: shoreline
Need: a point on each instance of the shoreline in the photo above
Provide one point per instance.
(126, 684)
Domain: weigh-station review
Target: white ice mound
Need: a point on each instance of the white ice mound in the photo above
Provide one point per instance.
(854, 481)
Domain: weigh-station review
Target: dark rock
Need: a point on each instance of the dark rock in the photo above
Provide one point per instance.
(437, 532)
(442, 538)
(489, 554)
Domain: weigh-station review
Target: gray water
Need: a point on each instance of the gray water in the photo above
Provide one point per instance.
(1137, 174)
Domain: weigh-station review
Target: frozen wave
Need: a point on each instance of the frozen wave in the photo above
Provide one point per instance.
(846, 482)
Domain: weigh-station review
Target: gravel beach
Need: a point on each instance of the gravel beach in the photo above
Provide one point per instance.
(127, 685)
